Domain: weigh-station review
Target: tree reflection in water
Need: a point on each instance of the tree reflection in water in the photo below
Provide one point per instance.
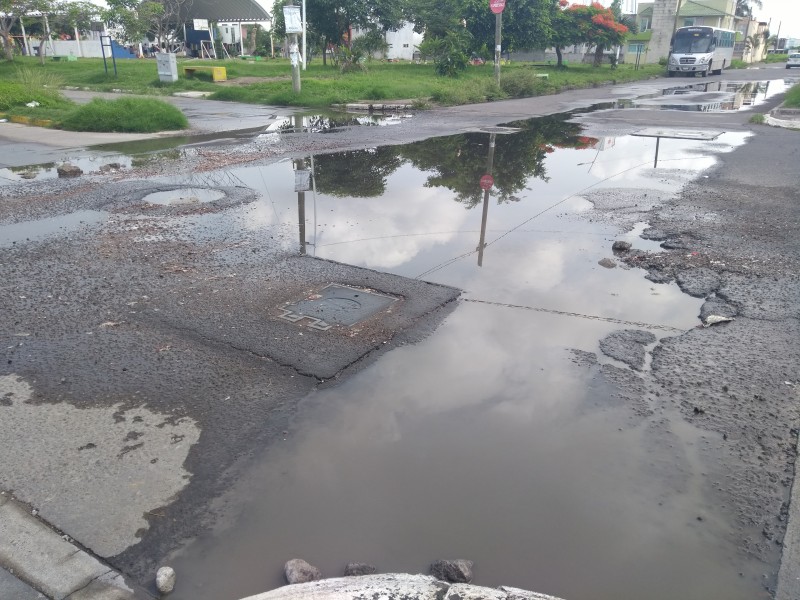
(454, 162)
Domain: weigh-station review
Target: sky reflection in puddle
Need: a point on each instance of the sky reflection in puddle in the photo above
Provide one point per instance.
(485, 440)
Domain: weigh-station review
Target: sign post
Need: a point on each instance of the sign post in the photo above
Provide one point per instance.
(497, 6)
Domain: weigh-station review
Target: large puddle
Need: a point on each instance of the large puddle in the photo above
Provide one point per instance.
(486, 440)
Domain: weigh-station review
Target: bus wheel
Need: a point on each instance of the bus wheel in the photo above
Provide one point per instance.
(670, 73)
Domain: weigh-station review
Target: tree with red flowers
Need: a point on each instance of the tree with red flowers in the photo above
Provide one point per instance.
(597, 25)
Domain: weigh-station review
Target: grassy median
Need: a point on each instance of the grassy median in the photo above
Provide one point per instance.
(32, 96)
(269, 81)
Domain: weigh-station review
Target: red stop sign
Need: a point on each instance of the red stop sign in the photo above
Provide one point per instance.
(487, 181)
(497, 6)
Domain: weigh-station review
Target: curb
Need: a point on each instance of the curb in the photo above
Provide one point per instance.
(40, 558)
(788, 587)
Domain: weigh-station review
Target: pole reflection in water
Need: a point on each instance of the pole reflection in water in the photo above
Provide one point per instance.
(486, 184)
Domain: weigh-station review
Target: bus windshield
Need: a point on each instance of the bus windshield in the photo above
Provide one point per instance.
(692, 41)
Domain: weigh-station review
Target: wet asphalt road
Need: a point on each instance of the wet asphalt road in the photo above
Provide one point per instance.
(177, 340)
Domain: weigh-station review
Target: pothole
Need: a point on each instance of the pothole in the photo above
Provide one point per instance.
(182, 196)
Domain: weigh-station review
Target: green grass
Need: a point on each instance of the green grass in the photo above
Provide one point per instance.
(776, 58)
(129, 115)
(758, 119)
(325, 85)
(29, 85)
(792, 99)
(738, 64)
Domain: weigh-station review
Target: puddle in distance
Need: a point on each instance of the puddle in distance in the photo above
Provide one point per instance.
(708, 96)
(27, 231)
(183, 196)
(484, 441)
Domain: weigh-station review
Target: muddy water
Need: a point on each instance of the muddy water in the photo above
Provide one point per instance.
(487, 440)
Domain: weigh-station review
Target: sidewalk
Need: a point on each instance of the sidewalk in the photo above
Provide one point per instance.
(33, 555)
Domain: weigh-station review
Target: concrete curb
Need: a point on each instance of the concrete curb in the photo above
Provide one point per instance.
(788, 587)
(39, 558)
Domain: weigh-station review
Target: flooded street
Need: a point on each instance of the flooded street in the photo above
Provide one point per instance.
(493, 439)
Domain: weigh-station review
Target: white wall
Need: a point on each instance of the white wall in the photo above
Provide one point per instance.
(403, 42)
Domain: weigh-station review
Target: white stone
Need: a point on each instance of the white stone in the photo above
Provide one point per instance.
(165, 580)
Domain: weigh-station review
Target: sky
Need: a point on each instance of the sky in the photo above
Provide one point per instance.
(786, 12)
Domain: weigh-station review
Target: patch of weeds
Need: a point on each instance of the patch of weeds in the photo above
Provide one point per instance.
(758, 119)
(792, 99)
(522, 83)
(129, 115)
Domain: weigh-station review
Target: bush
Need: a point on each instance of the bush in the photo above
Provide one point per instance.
(129, 115)
(663, 61)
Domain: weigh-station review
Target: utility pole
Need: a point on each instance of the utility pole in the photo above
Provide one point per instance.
(294, 25)
(304, 35)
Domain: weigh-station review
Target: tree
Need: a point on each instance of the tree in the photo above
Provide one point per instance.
(744, 8)
(565, 33)
(74, 15)
(158, 19)
(598, 26)
(11, 11)
(525, 24)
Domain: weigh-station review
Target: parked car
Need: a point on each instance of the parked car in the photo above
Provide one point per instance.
(793, 60)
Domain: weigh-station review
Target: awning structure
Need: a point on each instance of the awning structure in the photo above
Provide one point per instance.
(227, 11)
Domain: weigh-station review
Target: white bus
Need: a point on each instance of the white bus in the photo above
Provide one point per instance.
(701, 50)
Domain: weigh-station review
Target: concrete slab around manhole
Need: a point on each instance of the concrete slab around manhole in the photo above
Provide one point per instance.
(249, 312)
(337, 305)
(500, 129)
(679, 134)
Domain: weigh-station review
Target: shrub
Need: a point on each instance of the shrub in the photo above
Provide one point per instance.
(449, 53)
(131, 115)
(758, 119)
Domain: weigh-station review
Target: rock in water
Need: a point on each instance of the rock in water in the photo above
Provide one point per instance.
(714, 319)
(452, 571)
(355, 568)
(165, 580)
(620, 246)
(68, 170)
(607, 263)
(299, 571)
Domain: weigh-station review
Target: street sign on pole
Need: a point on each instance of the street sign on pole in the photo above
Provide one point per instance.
(497, 6)
(487, 181)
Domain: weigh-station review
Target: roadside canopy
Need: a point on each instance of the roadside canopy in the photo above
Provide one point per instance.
(227, 11)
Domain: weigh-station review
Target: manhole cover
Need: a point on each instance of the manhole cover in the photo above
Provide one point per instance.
(336, 305)
(184, 196)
